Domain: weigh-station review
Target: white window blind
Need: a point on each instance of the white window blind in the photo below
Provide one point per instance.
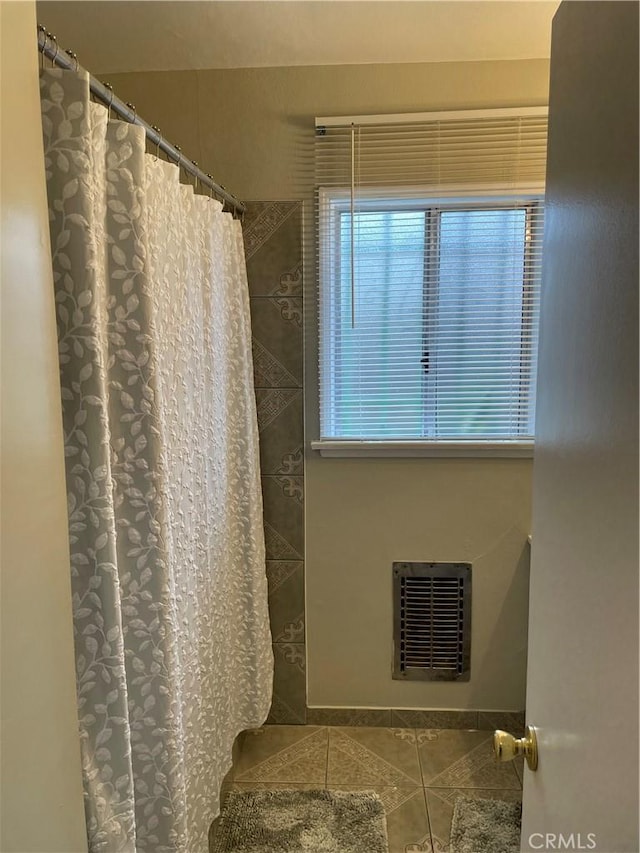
(429, 246)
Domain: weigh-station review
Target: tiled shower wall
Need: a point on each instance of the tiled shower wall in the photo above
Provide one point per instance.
(273, 248)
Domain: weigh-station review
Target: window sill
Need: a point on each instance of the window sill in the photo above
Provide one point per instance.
(381, 449)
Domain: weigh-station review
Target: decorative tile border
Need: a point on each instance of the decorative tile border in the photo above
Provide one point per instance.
(435, 718)
(349, 716)
(510, 721)
(262, 221)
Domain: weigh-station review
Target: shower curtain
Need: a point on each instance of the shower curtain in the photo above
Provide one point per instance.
(173, 648)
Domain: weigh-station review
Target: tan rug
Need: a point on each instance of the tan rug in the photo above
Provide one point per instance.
(301, 822)
(485, 826)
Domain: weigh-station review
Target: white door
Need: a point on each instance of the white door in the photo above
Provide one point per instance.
(582, 692)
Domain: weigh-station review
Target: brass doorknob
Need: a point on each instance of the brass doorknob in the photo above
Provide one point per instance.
(506, 747)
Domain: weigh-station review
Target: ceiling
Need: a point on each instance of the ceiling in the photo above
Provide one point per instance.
(147, 35)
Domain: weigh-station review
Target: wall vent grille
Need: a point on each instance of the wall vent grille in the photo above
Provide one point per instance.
(432, 621)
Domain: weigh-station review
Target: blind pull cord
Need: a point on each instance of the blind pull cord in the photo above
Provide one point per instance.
(353, 233)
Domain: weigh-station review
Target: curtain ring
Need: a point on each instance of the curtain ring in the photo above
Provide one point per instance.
(109, 87)
(179, 158)
(225, 202)
(133, 110)
(210, 188)
(195, 177)
(55, 41)
(157, 130)
(42, 31)
(73, 56)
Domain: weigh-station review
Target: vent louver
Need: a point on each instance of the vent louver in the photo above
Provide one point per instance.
(432, 621)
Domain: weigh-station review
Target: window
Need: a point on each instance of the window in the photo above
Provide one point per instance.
(429, 311)
(440, 343)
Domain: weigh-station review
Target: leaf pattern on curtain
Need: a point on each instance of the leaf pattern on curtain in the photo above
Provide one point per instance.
(173, 648)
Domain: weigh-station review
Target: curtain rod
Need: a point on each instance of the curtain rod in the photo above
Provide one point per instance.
(443, 115)
(67, 60)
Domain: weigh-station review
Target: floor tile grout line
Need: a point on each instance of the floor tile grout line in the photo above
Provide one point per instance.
(473, 788)
(283, 561)
(326, 764)
(424, 790)
(520, 780)
(426, 805)
(420, 759)
(415, 740)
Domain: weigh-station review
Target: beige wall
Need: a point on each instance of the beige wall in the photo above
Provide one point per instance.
(362, 514)
(253, 128)
(250, 127)
(41, 806)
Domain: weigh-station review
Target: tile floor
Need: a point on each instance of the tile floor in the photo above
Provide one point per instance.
(418, 773)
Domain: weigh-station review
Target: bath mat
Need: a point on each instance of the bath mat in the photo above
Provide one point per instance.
(485, 826)
(301, 822)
